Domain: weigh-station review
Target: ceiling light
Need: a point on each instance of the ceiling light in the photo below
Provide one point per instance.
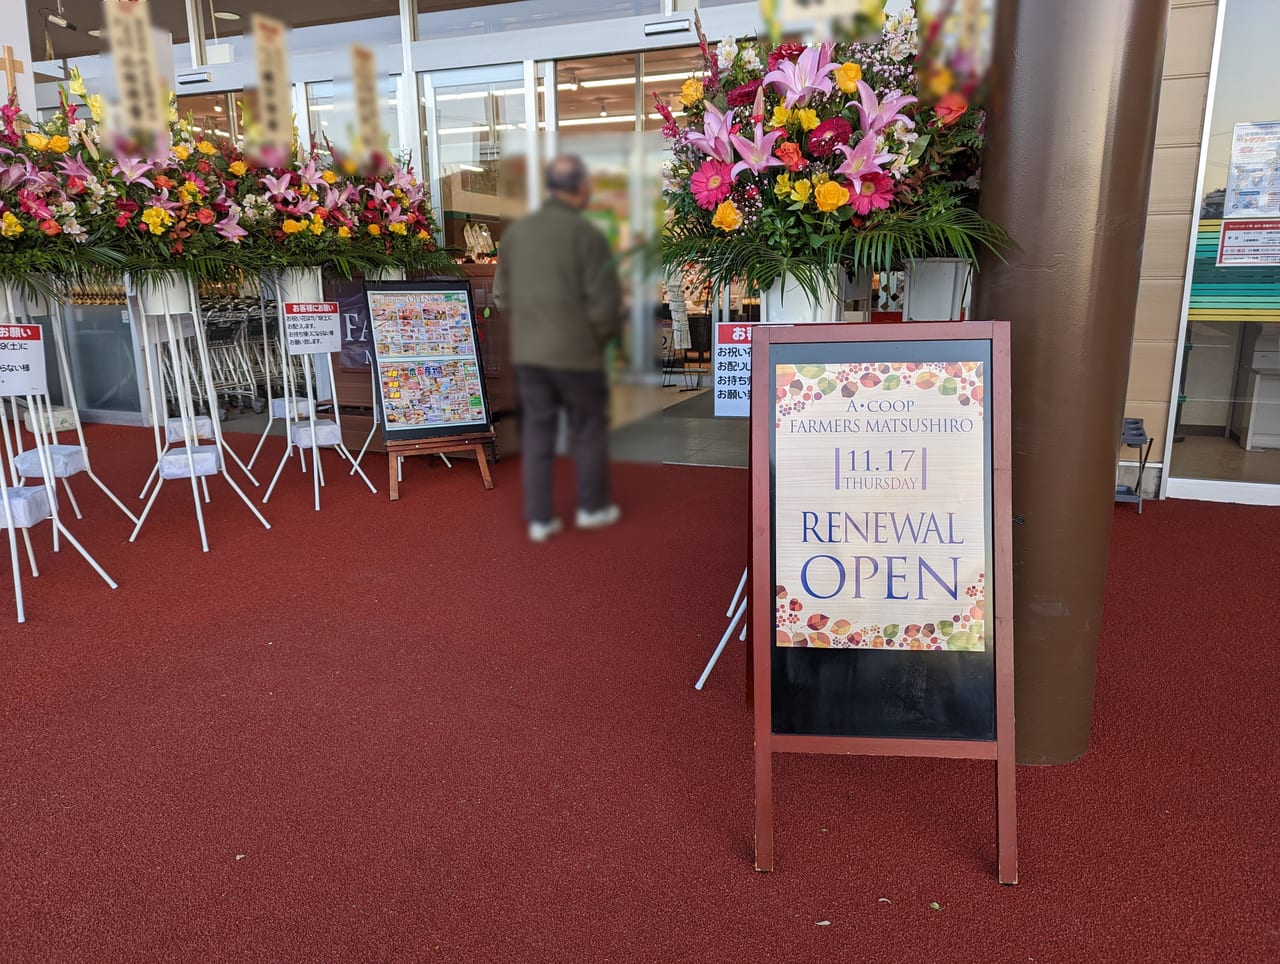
(218, 108)
(603, 110)
(56, 18)
(226, 15)
(94, 33)
(471, 167)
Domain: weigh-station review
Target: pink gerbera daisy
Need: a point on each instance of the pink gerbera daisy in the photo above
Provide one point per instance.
(875, 193)
(711, 183)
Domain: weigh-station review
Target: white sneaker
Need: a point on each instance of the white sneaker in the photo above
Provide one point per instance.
(600, 518)
(542, 531)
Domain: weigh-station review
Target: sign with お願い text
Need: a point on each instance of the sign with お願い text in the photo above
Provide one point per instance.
(22, 365)
(731, 370)
(881, 563)
(312, 328)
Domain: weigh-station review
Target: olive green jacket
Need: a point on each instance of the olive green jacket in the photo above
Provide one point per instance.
(558, 286)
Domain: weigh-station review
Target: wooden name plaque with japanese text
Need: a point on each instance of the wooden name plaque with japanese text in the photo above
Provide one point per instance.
(881, 563)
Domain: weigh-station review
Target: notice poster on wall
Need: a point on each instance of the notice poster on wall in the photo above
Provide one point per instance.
(22, 365)
(1249, 243)
(881, 504)
(1253, 177)
(731, 370)
(312, 328)
(429, 372)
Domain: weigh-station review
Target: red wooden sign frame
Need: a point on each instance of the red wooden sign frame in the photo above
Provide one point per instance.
(767, 743)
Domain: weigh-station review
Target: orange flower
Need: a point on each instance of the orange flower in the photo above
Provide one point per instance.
(162, 181)
(950, 109)
(51, 227)
(375, 230)
(788, 152)
(321, 213)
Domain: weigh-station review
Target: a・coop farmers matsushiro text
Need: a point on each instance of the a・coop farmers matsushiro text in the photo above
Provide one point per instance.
(880, 502)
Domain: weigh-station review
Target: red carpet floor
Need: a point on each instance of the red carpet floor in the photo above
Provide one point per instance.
(398, 732)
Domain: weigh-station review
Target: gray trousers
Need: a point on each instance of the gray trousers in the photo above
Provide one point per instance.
(585, 396)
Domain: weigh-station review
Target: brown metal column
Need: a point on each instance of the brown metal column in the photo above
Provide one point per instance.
(1070, 134)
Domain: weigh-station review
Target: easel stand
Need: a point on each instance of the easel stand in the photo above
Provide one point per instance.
(192, 461)
(64, 460)
(397, 450)
(735, 613)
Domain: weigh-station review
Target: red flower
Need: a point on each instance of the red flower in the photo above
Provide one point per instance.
(50, 227)
(163, 182)
(788, 51)
(788, 152)
(827, 136)
(75, 185)
(122, 220)
(205, 216)
(203, 167)
(745, 95)
(951, 108)
(127, 206)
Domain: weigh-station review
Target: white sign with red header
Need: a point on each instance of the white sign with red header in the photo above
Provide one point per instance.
(1249, 243)
(22, 370)
(312, 327)
(731, 370)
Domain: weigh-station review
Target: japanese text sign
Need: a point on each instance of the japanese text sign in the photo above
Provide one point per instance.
(731, 370)
(22, 370)
(312, 328)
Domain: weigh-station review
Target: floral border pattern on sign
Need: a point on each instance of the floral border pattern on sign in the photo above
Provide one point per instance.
(796, 387)
(963, 631)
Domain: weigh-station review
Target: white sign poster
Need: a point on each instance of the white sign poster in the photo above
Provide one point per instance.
(1253, 178)
(275, 93)
(1249, 243)
(881, 504)
(15, 55)
(22, 370)
(731, 371)
(144, 101)
(369, 136)
(312, 328)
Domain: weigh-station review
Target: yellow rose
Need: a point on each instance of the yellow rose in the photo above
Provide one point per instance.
(847, 77)
(59, 144)
(205, 147)
(9, 226)
(424, 235)
(237, 168)
(782, 186)
(727, 217)
(37, 142)
(832, 195)
(181, 152)
(808, 118)
(317, 226)
(801, 190)
(304, 189)
(344, 232)
(291, 226)
(399, 227)
(781, 117)
(691, 92)
(375, 230)
(157, 219)
(328, 177)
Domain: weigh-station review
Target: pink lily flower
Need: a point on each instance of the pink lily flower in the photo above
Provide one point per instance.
(395, 214)
(379, 193)
(132, 170)
(229, 227)
(402, 178)
(861, 162)
(74, 167)
(277, 186)
(310, 176)
(34, 205)
(876, 116)
(161, 200)
(15, 173)
(800, 79)
(714, 139)
(305, 206)
(757, 154)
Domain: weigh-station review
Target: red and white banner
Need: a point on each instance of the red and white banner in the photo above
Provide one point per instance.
(22, 370)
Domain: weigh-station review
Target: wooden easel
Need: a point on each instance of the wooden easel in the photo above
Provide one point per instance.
(437, 446)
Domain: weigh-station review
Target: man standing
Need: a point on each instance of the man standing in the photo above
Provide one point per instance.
(557, 284)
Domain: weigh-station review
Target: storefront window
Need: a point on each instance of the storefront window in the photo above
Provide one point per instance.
(1228, 406)
(218, 116)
